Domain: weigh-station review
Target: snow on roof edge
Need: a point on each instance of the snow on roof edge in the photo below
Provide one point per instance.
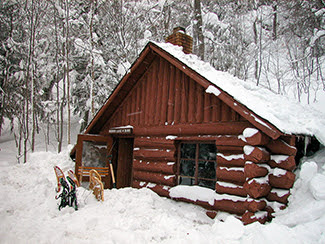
(288, 116)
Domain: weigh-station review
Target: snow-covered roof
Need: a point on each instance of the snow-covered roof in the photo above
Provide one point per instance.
(288, 116)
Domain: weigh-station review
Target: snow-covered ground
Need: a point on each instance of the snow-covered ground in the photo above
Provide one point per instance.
(29, 211)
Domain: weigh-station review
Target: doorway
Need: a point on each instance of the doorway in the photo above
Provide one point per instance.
(122, 161)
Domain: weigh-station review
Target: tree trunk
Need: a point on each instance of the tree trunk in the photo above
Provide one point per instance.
(275, 20)
(198, 37)
(67, 71)
(92, 68)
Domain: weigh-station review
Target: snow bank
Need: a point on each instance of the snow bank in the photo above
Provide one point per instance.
(288, 116)
(307, 199)
(29, 211)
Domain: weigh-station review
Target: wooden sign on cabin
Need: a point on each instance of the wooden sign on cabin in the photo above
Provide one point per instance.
(124, 130)
(177, 126)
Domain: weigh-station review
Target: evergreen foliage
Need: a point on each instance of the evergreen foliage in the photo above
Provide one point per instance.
(278, 44)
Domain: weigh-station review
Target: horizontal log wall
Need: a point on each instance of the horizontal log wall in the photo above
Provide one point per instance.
(154, 164)
(268, 171)
(243, 170)
(282, 163)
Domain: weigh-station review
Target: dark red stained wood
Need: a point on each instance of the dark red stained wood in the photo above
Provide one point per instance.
(148, 91)
(281, 147)
(128, 111)
(285, 181)
(219, 140)
(133, 108)
(218, 110)
(200, 105)
(214, 108)
(125, 114)
(191, 102)
(117, 114)
(254, 171)
(159, 90)
(122, 114)
(177, 103)
(146, 58)
(159, 155)
(154, 143)
(184, 95)
(233, 115)
(288, 163)
(258, 138)
(143, 99)
(153, 93)
(239, 191)
(138, 110)
(224, 112)
(228, 175)
(171, 95)
(234, 162)
(124, 165)
(129, 108)
(154, 177)
(258, 155)
(158, 167)
(272, 196)
(230, 149)
(207, 107)
(164, 103)
(135, 105)
(220, 128)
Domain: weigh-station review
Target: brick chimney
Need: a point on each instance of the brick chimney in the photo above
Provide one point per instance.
(180, 38)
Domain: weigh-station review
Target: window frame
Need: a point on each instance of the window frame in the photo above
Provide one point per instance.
(196, 160)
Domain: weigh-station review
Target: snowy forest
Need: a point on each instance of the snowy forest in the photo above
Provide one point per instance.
(61, 59)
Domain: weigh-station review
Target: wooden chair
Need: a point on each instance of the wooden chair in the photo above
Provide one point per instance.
(85, 171)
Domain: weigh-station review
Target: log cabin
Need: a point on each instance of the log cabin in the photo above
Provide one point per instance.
(177, 126)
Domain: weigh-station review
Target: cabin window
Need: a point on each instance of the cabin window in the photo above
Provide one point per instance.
(94, 154)
(197, 164)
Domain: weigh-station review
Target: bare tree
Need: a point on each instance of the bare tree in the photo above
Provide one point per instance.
(198, 38)
(67, 69)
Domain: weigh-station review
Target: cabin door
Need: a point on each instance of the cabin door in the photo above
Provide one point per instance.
(93, 151)
(123, 161)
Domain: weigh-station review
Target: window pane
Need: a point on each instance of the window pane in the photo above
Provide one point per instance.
(207, 170)
(207, 151)
(186, 181)
(187, 167)
(94, 154)
(207, 183)
(188, 150)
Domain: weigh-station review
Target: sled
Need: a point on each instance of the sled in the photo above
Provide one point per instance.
(98, 189)
(96, 184)
(93, 174)
(59, 175)
(73, 177)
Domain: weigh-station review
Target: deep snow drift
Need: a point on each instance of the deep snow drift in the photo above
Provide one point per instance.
(29, 212)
